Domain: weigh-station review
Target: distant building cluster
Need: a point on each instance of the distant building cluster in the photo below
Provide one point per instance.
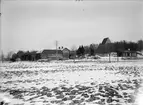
(105, 48)
(49, 54)
(56, 54)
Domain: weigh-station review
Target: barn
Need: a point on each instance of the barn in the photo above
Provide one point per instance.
(106, 41)
(103, 48)
(55, 54)
(52, 54)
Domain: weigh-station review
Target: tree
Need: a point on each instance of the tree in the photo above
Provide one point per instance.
(14, 57)
(2, 56)
(33, 55)
(87, 50)
(92, 50)
(82, 50)
(78, 52)
(140, 45)
(20, 54)
(73, 48)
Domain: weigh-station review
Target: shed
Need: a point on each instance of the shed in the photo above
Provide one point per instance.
(66, 53)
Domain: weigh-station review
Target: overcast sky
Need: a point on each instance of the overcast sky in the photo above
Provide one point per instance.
(35, 25)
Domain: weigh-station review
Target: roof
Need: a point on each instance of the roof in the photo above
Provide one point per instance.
(130, 51)
(127, 51)
(105, 40)
(51, 51)
(66, 49)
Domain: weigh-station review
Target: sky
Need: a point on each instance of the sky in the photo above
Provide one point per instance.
(37, 24)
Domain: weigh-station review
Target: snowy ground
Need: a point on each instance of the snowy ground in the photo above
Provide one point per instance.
(71, 83)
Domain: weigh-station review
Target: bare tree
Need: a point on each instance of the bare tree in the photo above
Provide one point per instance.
(56, 43)
(73, 53)
(73, 48)
(2, 56)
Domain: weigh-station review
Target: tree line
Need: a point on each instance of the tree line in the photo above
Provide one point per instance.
(25, 56)
(82, 50)
(93, 49)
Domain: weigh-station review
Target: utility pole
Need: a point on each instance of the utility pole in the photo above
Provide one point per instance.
(117, 57)
(56, 49)
(109, 57)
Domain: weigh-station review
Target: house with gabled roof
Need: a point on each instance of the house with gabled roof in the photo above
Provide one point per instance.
(51, 54)
(54, 54)
(129, 54)
(66, 53)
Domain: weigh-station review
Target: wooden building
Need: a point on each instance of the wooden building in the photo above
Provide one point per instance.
(52, 54)
(106, 41)
(66, 53)
(55, 54)
(105, 47)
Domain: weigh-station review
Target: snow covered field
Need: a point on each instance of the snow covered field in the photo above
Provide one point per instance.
(71, 83)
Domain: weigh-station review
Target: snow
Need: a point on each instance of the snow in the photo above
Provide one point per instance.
(26, 80)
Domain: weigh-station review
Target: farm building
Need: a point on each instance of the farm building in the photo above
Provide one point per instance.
(103, 48)
(55, 54)
(52, 54)
(129, 54)
(66, 53)
(106, 41)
